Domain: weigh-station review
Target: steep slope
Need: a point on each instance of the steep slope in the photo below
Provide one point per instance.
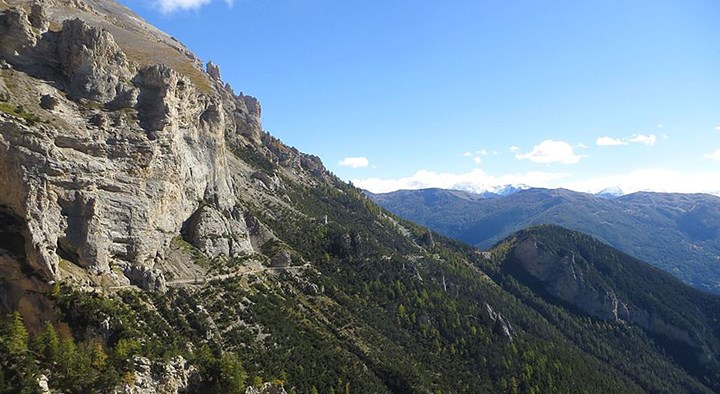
(679, 233)
(155, 239)
(592, 279)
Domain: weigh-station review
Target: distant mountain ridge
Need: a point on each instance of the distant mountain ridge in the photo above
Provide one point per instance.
(679, 233)
(490, 191)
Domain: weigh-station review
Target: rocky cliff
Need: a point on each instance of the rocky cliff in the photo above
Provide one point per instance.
(111, 148)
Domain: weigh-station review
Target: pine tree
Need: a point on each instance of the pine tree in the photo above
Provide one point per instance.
(15, 335)
(48, 344)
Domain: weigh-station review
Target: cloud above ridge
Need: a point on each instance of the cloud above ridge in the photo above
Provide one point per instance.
(354, 162)
(169, 6)
(550, 151)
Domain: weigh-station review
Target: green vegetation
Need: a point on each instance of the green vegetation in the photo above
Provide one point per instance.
(108, 334)
(651, 294)
(386, 307)
(198, 256)
(383, 311)
(679, 233)
(254, 158)
(18, 110)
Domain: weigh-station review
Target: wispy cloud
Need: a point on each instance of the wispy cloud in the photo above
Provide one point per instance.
(609, 141)
(550, 151)
(476, 156)
(168, 6)
(649, 140)
(643, 139)
(354, 162)
(713, 156)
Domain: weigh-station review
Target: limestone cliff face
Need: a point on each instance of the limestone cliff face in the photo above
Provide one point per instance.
(127, 153)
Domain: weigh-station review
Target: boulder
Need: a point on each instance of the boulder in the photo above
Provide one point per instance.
(48, 102)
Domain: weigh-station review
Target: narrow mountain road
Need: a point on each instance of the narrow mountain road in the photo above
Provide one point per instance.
(205, 279)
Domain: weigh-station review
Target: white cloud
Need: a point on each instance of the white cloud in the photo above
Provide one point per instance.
(514, 149)
(354, 162)
(467, 154)
(426, 179)
(713, 156)
(609, 141)
(649, 140)
(581, 146)
(652, 179)
(717, 127)
(660, 125)
(649, 179)
(550, 151)
(168, 6)
(477, 160)
(643, 139)
(482, 152)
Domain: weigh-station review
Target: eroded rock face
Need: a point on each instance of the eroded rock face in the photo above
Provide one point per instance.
(216, 234)
(16, 35)
(130, 156)
(96, 67)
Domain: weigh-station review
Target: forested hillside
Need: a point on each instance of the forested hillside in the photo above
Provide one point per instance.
(679, 233)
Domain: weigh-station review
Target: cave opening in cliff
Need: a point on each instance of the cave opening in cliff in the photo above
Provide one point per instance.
(12, 241)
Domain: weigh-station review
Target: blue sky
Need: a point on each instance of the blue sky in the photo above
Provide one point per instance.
(408, 94)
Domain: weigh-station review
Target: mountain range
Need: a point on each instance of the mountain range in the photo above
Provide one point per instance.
(679, 233)
(155, 239)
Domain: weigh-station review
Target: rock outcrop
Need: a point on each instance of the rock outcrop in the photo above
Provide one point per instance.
(498, 323)
(267, 388)
(576, 285)
(96, 67)
(155, 378)
(213, 71)
(216, 234)
(16, 35)
(138, 154)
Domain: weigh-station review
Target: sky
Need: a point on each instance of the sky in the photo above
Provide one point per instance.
(407, 94)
